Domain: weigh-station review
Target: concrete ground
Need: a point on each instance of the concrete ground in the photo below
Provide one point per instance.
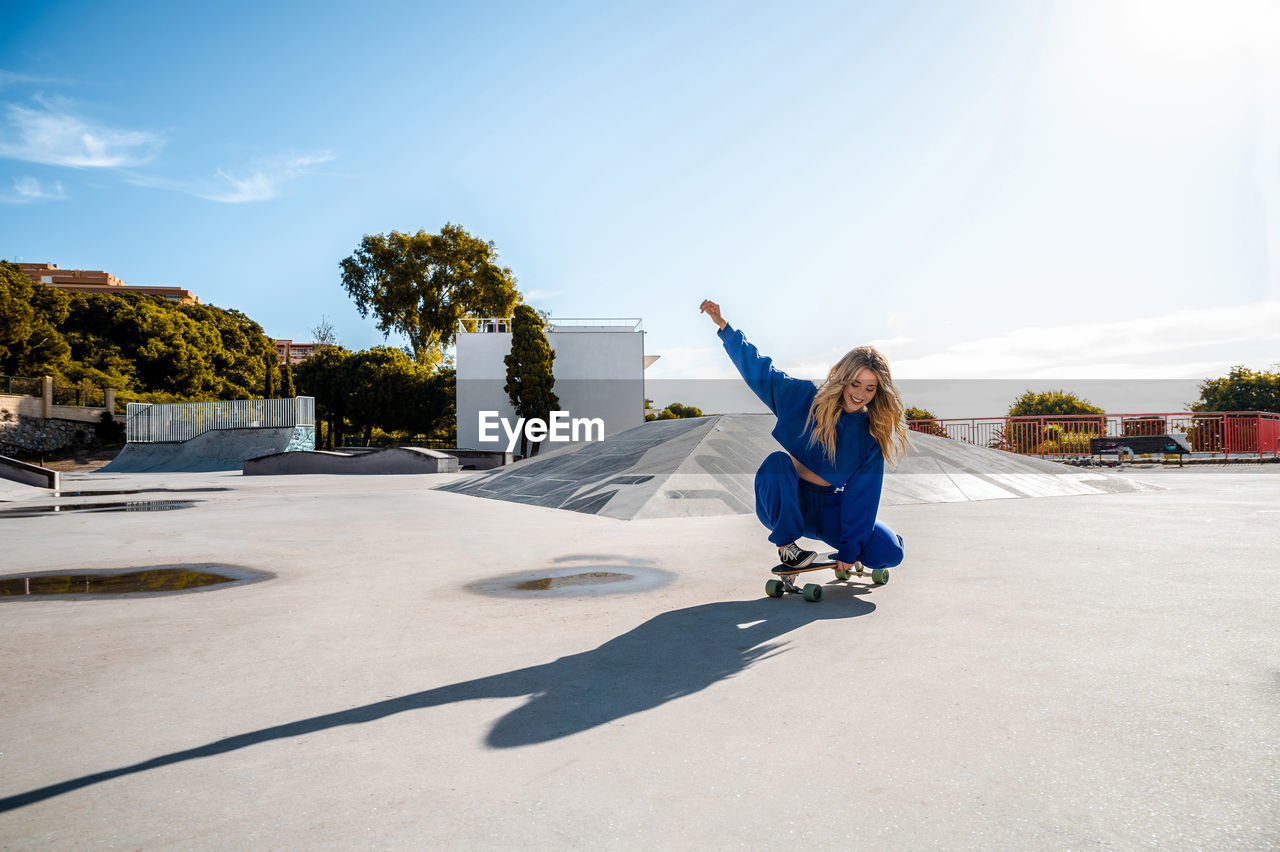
(1056, 673)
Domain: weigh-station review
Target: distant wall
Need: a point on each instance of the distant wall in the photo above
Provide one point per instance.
(36, 434)
(16, 406)
(24, 426)
(598, 373)
(12, 407)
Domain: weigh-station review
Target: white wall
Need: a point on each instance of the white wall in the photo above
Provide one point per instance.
(598, 373)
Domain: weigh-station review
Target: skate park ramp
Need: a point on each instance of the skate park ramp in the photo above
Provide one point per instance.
(217, 449)
(391, 460)
(706, 466)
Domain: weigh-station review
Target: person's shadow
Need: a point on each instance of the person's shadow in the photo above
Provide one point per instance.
(670, 656)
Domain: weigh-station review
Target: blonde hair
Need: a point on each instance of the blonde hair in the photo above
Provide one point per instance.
(888, 423)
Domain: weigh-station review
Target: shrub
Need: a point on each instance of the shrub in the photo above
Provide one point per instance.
(1139, 426)
(924, 420)
(674, 411)
(108, 430)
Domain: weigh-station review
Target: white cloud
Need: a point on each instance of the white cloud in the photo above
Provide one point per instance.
(264, 184)
(1169, 346)
(28, 189)
(14, 78)
(51, 134)
(260, 184)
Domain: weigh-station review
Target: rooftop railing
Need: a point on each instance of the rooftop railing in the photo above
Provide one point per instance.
(589, 323)
(502, 325)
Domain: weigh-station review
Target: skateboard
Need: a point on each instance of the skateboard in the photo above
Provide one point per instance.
(812, 592)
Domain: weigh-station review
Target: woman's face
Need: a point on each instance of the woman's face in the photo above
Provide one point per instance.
(859, 393)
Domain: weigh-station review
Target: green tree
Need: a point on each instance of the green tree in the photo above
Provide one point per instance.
(1032, 404)
(30, 342)
(378, 388)
(243, 352)
(421, 284)
(529, 375)
(147, 348)
(1241, 389)
(158, 351)
(288, 387)
(325, 376)
(271, 377)
(382, 384)
(1068, 423)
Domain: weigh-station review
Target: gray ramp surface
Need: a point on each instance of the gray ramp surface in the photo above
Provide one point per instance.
(706, 466)
(391, 460)
(219, 449)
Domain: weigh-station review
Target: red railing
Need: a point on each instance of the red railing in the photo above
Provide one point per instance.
(1227, 432)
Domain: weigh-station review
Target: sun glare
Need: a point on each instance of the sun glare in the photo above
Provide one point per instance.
(1192, 33)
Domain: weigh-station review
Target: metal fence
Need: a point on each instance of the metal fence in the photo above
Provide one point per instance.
(20, 386)
(148, 423)
(1227, 432)
(79, 395)
(75, 395)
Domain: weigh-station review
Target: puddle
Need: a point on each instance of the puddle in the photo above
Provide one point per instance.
(129, 506)
(135, 491)
(579, 576)
(130, 582)
(591, 578)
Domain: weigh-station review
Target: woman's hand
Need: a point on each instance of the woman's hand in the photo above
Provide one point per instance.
(712, 310)
(845, 567)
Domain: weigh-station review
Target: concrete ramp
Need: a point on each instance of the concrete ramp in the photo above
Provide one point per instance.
(218, 449)
(706, 466)
(392, 460)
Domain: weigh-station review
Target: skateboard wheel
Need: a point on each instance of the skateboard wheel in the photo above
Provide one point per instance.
(880, 576)
(844, 575)
(774, 589)
(812, 593)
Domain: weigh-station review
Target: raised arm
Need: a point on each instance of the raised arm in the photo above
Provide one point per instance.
(774, 388)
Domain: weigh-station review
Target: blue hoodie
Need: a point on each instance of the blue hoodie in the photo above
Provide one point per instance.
(857, 471)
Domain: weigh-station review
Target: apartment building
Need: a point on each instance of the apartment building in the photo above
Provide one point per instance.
(97, 281)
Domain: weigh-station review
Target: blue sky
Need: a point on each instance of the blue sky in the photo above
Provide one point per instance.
(1031, 190)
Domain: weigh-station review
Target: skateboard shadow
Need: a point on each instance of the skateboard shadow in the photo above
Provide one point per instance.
(670, 656)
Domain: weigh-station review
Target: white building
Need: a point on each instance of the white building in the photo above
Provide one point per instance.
(598, 369)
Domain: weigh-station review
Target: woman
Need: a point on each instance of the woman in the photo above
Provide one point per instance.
(827, 483)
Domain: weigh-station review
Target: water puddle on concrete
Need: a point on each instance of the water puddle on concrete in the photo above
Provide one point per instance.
(152, 580)
(591, 578)
(578, 576)
(135, 491)
(128, 506)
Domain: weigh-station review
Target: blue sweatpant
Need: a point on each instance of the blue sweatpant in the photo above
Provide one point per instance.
(792, 508)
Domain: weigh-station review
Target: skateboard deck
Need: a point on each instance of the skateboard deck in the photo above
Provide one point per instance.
(812, 592)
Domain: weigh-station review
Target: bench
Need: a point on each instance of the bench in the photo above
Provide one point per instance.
(1174, 443)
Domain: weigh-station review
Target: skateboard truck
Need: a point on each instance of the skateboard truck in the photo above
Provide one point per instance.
(812, 592)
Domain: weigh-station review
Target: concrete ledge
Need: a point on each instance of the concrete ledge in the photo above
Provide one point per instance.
(480, 459)
(395, 460)
(29, 474)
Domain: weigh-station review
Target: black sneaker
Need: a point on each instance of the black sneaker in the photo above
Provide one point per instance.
(793, 557)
